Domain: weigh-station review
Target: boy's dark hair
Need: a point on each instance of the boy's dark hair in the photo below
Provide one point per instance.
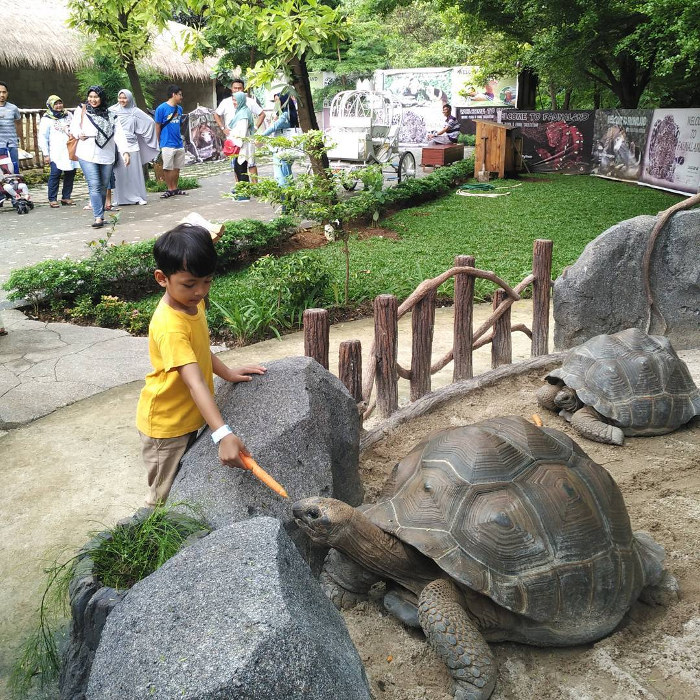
(238, 80)
(5, 85)
(185, 248)
(173, 90)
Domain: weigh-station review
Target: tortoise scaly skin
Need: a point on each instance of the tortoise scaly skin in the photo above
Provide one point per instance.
(495, 531)
(627, 383)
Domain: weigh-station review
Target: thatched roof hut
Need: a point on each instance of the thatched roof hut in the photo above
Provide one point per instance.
(39, 55)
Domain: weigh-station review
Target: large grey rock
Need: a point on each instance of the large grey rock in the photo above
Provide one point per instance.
(302, 427)
(235, 615)
(603, 292)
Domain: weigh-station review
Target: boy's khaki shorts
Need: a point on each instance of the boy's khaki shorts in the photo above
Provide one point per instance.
(173, 158)
(162, 459)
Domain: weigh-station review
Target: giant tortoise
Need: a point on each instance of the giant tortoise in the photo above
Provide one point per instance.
(494, 531)
(627, 383)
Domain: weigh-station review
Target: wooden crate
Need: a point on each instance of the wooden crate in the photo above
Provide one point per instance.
(442, 154)
(494, 151)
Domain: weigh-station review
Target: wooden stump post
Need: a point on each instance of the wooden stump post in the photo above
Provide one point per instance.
(316, 335)
(422, 324)
(350, 367)
(541, 295)
(386, 334)
(502, 343)
(463, 321)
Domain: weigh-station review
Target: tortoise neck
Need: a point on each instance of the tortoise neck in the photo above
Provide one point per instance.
(386, 555)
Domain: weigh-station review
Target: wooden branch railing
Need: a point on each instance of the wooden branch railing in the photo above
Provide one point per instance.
(383, 368)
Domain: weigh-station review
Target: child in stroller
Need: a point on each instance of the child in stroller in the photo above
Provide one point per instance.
(13, 187)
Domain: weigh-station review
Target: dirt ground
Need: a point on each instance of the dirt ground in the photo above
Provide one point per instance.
(654, 653)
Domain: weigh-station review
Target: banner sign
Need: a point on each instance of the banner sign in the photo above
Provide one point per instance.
(203, 138)
(672, 154)
(620, 137)
(557, 141)
(467, 115)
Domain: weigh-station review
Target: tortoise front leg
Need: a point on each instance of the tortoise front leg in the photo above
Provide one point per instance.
(590, 424)
(546, 395)
(344, 581)
(457, 640)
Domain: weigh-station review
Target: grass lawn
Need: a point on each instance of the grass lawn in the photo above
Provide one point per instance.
(499, 232)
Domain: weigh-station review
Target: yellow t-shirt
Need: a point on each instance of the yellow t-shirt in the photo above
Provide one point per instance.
(166, 408)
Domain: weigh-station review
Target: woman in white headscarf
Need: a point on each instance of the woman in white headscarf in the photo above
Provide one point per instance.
(139, 130)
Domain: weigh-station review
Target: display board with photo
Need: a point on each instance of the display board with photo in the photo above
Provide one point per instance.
(556, 141)
(672, 154)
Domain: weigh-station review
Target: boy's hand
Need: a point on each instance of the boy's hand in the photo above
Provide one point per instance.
(230, 448)
(242, 374)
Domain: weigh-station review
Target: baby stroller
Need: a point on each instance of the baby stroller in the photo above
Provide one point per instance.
(12, 186)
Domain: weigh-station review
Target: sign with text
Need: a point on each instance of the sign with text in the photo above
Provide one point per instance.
(556, 141)
(672, 154)
(620, 137)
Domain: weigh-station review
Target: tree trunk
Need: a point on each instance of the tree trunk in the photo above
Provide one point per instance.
(135, 81)
(567, 100)
(553, 96)
(305, 106)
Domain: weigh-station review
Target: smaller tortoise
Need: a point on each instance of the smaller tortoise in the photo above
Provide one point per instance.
(627, 383)
(491, 532)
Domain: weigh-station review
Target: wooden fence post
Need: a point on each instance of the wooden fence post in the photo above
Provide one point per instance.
(386, 334)
(422, 325)
(502, 342)
(350, 367)
(463, 321)
(541, 295)
(316, 335)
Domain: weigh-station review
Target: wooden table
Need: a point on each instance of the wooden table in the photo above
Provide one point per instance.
(441, 154)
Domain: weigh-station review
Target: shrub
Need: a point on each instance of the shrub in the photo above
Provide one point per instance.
(183, 183)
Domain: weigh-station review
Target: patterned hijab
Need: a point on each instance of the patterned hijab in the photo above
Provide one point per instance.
(51, 113)
(100, 117)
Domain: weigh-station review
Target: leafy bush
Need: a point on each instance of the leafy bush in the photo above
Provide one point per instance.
(467, 139)
(183, 183)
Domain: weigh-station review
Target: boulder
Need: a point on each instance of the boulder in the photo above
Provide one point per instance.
(603, 292)
(301, 425)
(235, 615)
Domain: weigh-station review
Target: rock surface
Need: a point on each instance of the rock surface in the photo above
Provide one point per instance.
(301, 426)
(603, 292)
(256, 626)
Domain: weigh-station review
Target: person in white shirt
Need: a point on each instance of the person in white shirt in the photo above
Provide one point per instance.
(54, 127)
(225, 112)
(101, 141)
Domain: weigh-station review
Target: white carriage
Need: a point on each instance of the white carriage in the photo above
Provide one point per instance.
(364, 129)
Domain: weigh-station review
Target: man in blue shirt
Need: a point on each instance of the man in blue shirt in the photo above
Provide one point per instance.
(168, 117)
(9, 114)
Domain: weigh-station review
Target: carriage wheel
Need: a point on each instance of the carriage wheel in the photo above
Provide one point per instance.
(407, 166)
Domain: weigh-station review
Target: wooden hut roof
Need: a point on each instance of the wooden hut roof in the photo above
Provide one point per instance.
(35, 35)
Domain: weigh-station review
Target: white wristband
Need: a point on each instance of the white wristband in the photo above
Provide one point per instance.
(221, 433)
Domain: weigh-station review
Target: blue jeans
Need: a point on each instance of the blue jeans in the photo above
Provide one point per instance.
(14, 156)
(55, 178)
(98, 176)
(282, 170)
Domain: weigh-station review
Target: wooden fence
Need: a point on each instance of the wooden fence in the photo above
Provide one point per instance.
(384, 371)
(28, 130)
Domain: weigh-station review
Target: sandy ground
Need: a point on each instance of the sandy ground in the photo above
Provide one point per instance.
(654, 653)
(52, 499)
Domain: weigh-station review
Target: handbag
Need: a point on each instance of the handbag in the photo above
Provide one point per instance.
(230, 148)
(72, 143)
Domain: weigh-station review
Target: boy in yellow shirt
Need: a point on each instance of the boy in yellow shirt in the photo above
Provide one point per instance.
(178, 397)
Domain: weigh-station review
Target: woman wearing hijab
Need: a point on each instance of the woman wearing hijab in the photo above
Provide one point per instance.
(53, 137)
(287, 119)
(241, 125)
(101, 140)
(140, 133)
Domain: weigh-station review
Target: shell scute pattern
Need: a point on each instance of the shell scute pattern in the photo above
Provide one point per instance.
(542, 528)
(635, 380)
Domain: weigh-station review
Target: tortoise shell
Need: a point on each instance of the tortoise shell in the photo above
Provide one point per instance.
(634, 380)
(520, 514)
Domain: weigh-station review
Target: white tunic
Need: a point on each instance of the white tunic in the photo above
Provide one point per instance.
(53, 136)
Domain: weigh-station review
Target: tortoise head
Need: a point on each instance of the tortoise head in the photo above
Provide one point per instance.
(567, 399)
(324, 520)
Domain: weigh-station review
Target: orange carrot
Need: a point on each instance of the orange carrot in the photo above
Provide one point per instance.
(537, 420)
(261, 474)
